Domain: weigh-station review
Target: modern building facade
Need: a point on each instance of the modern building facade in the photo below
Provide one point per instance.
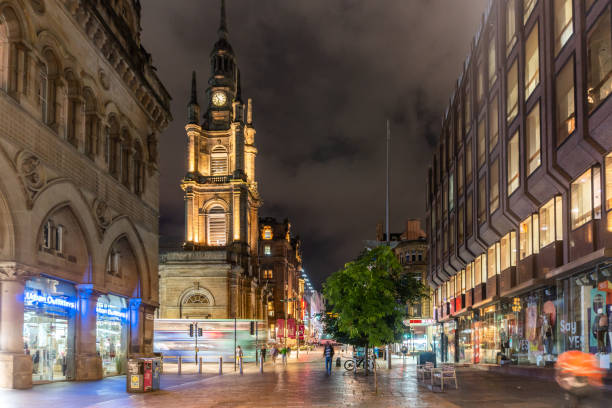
(214, 274)
(280, 267)
(81, 109)
(520, 190)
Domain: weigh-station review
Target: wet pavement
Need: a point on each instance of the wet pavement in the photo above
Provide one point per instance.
(302, 383)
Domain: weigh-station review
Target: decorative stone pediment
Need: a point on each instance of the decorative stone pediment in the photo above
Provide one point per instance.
(32, 174)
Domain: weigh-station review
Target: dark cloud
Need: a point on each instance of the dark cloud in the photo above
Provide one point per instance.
(324, 76)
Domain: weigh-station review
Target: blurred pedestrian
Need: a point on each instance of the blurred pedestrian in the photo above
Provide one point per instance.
(284, 355)
(274, 353)
(580, 375)
(328, 353)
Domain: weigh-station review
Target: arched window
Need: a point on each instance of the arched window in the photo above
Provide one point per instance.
(46, 79)
(126, 153)
(218, 161)
(217, 226)
(42, 90)
(112, 147)
(91, 123)
(197, 299)
(72, 117)
(11, 55)
(138, 170)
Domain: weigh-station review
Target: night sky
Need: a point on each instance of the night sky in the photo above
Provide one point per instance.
(324, 75)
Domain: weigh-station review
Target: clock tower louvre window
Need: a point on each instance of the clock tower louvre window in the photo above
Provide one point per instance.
(218, 161)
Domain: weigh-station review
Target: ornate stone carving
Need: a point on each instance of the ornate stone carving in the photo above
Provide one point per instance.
(103, 78)
(14, 271)
(102, 214)
(38, 6)
(31, 172)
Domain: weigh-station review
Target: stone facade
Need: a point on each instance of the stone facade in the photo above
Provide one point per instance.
(80, 111)
(214, 275)
(280, 264)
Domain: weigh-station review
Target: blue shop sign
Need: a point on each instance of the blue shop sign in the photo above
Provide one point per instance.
(111, 312)
(34, 298)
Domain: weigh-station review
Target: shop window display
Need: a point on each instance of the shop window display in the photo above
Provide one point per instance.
(489, 335)
(465, 346)
(450, 329)
(111, 333)
(50, 306)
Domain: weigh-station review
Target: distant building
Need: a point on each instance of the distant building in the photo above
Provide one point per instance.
(215, 274)
(519, 204)
(82, 109)
(280, 266)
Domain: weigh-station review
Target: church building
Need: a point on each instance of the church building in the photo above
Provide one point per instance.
(214, 275)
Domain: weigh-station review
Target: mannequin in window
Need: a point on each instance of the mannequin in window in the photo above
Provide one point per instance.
(601, 329)
(503, 337)
(547, 336)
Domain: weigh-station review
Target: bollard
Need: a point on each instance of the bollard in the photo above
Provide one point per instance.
(200, 366)
(220, 365)
(240, 364)
(180, 363)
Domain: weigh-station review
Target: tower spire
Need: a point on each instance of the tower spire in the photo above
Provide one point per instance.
(193, 109)
(223, 26)
(194, 92)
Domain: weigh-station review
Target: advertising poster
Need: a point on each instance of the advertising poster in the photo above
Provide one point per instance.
(134, 382)
(291, 328)
(476, 335)
(301, 331)
(598, 301)
(280, 328)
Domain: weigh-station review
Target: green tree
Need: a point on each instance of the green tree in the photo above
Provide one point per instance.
(367, 299)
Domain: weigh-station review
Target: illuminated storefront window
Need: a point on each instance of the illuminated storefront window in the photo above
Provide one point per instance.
(50, 306)
(586, 198)
(111, 333)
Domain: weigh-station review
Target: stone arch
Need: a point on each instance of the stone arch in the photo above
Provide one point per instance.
(11, 33)
(122, 227)
(122, 273)
(7, 232)
(187, 293)
(51, 198)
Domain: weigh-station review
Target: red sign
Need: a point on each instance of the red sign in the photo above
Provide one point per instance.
(148, 375)
(280, 328)
(452, 306)
(301, 331)
(291, 328)
(458, 304)
(415, 320)
(476, 336)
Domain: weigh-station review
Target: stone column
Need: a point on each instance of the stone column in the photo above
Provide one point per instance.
(148, 328)
(88, 365)
(135, 337)
(15, 365)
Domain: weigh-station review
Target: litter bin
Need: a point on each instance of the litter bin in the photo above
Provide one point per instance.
(143, 374)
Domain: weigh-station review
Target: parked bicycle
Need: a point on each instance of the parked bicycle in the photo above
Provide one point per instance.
(349, 365)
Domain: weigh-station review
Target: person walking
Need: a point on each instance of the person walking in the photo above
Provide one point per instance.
(284, 355)
(274, 353)
(328, 353)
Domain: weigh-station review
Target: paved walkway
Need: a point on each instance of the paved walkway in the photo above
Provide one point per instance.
(299, 384)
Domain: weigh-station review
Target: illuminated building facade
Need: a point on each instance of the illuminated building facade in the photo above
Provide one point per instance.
(215, 273)
(280, 269)
(81, 109)
(519, 216)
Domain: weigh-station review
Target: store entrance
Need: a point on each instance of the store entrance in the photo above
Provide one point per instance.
(45, 339)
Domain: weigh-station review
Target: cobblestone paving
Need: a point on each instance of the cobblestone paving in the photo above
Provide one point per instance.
(300, 384)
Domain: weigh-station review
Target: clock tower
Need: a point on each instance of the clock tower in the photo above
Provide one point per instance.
(221, 200)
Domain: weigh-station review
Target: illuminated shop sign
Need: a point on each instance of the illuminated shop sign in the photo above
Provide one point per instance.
(110, 311)
(33, 298)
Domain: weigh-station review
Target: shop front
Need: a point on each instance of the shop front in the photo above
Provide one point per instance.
(112, 333)
(465, 344)
(450, 330)
(48, 330)
(488, 334)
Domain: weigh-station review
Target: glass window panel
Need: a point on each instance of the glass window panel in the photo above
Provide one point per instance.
(599, 61)
(468, 161)
(559, 218)
(566, 116)
(494, 190)
(460, 175)
(468, 277)
(563, 23)
(460, 225)
(510, 25)
(528, 6)
(451, 193)
(608, 178)
(532, 64)
(483, 269)
(547, 223)
(505, 252)
(482, 202)
(513, 163)
(596, 192)
(469, 211)
(535, 227)
(480, 84)
(468, 108)
(513, 248)
(581, 201)
(481, 144)
(533, 139)
(492, 61)
(512, 93)
(525, 238)
(493, 123)
(478, 271)
(491, 264)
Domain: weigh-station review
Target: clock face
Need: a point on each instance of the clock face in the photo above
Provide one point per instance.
(219, 98)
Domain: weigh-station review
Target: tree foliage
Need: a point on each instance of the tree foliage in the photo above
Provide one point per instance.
(367, 299)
